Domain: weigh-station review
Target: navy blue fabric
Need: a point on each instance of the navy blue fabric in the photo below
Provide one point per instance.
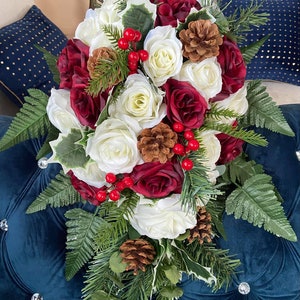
(32, 251)
(22, 65)
(279, 58)
(270, 265)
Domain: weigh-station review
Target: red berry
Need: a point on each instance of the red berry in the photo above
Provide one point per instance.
(114, 195)
(193, 145)
(101, 196)
(187, 164)
(110, 177)
(123, 43)
(132, 65)
(129, 34)
(179, 149)
(144, 55)
(138, 36)
(120, 186)
(178, 127)
(189, 135)
(128, 181)
(133, 56)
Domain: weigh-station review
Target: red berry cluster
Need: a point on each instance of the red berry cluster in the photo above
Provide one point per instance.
(128, 41)
(117, 186)
(191, 145)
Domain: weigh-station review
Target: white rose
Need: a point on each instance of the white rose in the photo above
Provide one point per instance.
(164, 218)
(141, 102)
(236, 102)
(90, 30)
(165, 55)
(205, 76)
(114, 147)
(91, 174)
(59, 111)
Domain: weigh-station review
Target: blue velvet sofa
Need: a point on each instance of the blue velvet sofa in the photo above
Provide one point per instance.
(32, 246)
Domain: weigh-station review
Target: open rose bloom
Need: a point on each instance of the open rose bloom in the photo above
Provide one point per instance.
(151, 110)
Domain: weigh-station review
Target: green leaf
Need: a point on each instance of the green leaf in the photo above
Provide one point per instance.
(251, 50)
(257, 203)
(171, 292)
(58, 193)
(82, 227)
(263, 112)
(51, 62)
(139, 18)
(69, 151)
(101, 295)
(172, 273)
(51, 136)
(30, 122)
(116, 263)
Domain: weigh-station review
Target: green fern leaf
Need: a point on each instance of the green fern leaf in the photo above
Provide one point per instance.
(251, 50)
(51, 62)
(30, 122)
(82, 227)
(249, 136)
(59, 193)
(257, 203)
(263, 112)
(46, 149)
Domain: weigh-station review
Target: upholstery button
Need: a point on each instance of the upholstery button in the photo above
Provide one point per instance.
(36, 296)
(244, 288)
(43, 163)
(4, 225)
(298, 154)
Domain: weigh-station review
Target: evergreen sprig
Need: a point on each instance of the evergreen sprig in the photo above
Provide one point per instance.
(58, 193)
(217, 114)
(263, 111)
(30, 122)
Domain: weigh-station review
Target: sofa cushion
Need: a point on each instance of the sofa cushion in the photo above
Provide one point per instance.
(22, 64)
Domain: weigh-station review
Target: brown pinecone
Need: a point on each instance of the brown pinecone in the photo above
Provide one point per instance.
(137, 254)
(156, 144)
(202, 231)
(105, 53)
(201, 40)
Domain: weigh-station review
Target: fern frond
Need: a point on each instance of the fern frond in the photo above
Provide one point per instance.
(82, 227)
(51, 136)
(257, 203)
(251, 50)
(263, 111)
(51, 62)
(249, 136)
(58, 193)
(219, 113)
(30, 122)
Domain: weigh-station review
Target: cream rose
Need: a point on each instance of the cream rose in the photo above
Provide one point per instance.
(90, 30)
(59, 111)
(140, 104)
(164, 218)
(165, 55)
(205, 76)
(236, 102)
(114, 147)
(91, 174)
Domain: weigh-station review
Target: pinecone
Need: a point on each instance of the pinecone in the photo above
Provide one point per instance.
(156, 144)
(201, 40)
(137, 254)
(202, 231)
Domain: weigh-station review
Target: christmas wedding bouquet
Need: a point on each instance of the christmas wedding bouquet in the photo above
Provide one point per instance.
(148, 125)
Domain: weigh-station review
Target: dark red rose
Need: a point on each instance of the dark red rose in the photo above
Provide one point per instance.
(233, 69)
(156, 180)
(76, 53)
(169, 12)
(87, 192)
(184, 104)
(86, 108)
(230, 148)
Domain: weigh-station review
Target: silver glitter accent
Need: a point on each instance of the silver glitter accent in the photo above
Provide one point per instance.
(298, 154)
(244, 288)
(43, 163)
(4, 225)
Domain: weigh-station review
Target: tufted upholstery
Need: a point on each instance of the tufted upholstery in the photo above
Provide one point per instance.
(32, 249)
